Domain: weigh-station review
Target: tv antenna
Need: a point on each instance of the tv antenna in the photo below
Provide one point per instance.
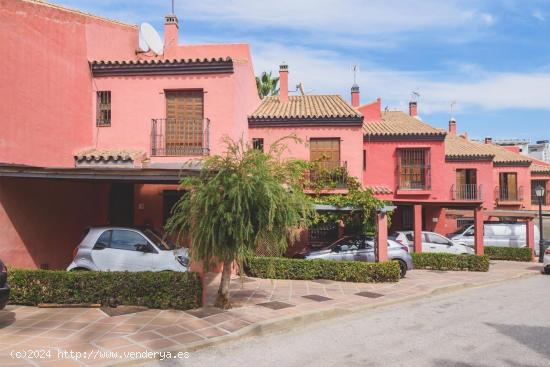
(173, 7)
(415, 95)
(452, 105)
(355, 70)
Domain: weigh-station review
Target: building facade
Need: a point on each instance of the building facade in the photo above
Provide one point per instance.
(101, 133)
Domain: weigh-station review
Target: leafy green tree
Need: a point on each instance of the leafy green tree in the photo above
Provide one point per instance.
(240, 199)
(267, 85)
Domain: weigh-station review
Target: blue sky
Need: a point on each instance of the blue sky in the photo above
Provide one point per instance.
(491, 57)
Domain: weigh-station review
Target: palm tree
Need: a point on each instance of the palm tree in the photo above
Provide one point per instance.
(240, 199)
(267, 85)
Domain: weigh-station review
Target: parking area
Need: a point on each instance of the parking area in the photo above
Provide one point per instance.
(258, 305)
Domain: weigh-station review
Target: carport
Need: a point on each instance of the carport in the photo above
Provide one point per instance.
(44, 211)
(437, 211)
(514, 215)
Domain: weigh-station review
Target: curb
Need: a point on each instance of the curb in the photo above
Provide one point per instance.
(287, 323)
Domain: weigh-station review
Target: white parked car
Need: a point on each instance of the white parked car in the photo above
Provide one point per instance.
(546, 263)
(432, 242)
(127, 249)
(498, 234)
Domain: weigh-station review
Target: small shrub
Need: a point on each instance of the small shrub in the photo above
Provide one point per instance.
(509, 253)
(346, 271)
(437, 261)
(175, 290)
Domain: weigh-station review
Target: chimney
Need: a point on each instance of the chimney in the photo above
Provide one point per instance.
(464, 135)
(413, 109)
(355, 99)
(171, 29)
(283, 82)
(488, 140)
(452, 126)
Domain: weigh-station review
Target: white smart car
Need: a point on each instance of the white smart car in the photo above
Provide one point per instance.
(127, 249)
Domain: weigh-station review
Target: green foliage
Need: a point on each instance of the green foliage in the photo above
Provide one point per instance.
(347, 271)
(438, 261)
(267, 85)
(174, 290)
(363, 202)
(509, 253)
(241, 199)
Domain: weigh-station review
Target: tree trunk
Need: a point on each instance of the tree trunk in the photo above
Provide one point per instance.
(223, 292)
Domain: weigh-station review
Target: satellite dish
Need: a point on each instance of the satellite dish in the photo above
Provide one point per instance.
(143, 46)
(151, 38)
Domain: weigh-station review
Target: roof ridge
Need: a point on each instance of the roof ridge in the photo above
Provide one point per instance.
(80, 12)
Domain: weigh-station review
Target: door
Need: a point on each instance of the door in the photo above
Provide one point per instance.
(326, 151)
(102, 255)
(121, 205)
(438, 243)
(126, 256)
(508, 186)
(184, 131)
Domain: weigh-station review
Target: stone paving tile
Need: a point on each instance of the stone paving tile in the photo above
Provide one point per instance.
(89, 329)
(211, 332)
(171, 330)
(186, 338)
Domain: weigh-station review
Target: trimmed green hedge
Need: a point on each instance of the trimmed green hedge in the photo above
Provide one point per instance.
(346, 271)
(509, 253)
(437, 261)
(175, 290)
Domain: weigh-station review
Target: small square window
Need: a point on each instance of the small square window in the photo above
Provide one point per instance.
(103, 102)
(258, 143)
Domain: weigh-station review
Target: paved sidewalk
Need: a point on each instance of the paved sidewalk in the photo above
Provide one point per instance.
(259, 305)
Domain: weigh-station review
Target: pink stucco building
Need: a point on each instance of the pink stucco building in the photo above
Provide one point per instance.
(98, 132)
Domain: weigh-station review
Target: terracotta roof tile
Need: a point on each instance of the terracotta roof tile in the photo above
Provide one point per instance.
(158, 61)
(109, 155)
(540, 169)
(305, 108)
(504, 156)
(459, 148)
(379, 189)
(398, 123)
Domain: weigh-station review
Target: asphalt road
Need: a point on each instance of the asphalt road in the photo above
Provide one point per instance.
(502, 325)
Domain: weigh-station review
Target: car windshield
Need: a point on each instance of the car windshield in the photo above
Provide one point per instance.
(461, 229)
(163, 244)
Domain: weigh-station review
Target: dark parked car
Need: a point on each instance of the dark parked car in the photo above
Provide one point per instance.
(361, 248)
(4, 289)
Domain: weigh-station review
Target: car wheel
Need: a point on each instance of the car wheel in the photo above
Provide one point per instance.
(547, 270)
(402, 268)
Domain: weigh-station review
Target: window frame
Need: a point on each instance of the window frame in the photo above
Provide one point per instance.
(258, 144)
(413, 168)
(103, 105)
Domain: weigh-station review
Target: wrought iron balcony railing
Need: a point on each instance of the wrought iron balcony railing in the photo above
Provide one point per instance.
(508, 194)
(176, 137)
(467, 192)
(328, 174)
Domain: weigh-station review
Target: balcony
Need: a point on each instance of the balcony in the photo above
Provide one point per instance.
(327, 175)
(180, 138)
(509, 195)
(467, 192)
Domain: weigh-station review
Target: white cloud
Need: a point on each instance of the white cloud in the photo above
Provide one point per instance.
(339, 16)
(324, 71)
(537, 14)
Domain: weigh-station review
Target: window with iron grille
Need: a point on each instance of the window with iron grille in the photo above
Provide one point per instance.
(413, 168)
(103, 116)
(534, 185)
(258, 143)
